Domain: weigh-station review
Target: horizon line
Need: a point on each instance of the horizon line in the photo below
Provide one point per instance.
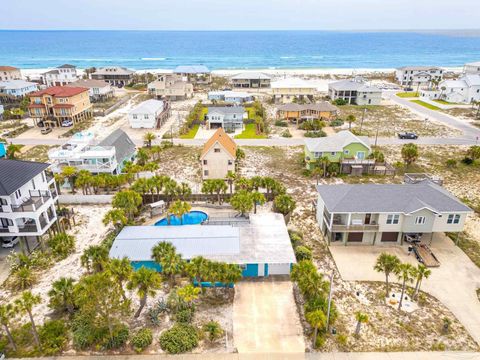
(246, 30)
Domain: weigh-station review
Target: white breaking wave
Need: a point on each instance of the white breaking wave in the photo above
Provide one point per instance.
(154, 59)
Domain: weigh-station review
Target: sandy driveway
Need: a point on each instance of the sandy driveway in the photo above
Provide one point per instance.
(454, 283)
(265, 318)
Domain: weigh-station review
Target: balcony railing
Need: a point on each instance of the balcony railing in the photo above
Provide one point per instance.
(35, 201)
(362, 227)
(28, 228)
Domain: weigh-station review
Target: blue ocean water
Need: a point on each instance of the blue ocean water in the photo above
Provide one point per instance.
(237, 49)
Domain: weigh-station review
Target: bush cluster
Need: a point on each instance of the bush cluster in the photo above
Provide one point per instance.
(179, 338)
(142, 339)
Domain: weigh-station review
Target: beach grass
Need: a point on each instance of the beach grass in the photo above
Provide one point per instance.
(191, 133)
(424, 104)
(250, 133)
(408, 94)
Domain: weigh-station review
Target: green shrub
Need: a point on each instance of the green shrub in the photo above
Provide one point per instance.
(320, 341)
(303, 253)
(53, 337)
(281, 123)
(451, 163)
(85, 334)
(467, 160)
(179, 338)
(340, 102)
(62, 245)
(158, 309)
(142, 339)
(296, 238)
(336, 122)
(315, 134)
(286, 134)
(213, 329)
(119, 338)
(185, 316)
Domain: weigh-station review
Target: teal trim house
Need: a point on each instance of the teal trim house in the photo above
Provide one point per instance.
(261, 246)
(337, 148)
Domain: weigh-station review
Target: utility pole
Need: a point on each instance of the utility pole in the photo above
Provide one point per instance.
(376, 134)
(329, 301)
(363, 117)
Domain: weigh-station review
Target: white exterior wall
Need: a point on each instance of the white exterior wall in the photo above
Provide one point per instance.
(19, 91)
(217, 163)
(142, 120)
(369, 98)
(42, 183)
(472, 69)
(6, 75)
(415, 77)
(65, 76)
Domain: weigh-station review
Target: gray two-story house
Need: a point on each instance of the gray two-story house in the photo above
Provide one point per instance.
(230, 118)
(385, 213)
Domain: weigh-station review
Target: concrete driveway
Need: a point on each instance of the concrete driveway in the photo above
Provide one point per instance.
(454, 283)
(265, 318)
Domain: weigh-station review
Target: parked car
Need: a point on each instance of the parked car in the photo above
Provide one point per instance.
(407, 135)
(67, 123)
(10, 242)
(46, 130)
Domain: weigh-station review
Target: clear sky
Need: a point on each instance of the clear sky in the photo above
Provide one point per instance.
(240, 14)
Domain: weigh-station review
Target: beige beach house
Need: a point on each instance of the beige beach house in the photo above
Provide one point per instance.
(218, 156)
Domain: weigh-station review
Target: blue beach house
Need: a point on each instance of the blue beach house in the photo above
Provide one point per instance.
(260, 246)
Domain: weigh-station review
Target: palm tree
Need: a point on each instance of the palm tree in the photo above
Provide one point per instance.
(170, 189)
(317, 320)
(387, 264)
(8, 313)
(84, 181)
(116, 217)
(361, 318)
(350, 119)
(12, 150)
(95, 258)
(69, 173)
(142, 157)
(129, 201)
(323, 162)
(61, 295)
(146, 282)
(121, 270)
(317, 171)
(409, 153)
(179, 208)
(219, 186)
(420, 272)
(284, 204)
(405, 273)
(242, 201)
(197, 268)
(258, 198)
(25, 304)
(184, 191)
(149, 137)
(230, 180)
(166, 255)
(59, 179)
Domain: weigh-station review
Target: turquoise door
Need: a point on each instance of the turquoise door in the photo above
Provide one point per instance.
(250, 270)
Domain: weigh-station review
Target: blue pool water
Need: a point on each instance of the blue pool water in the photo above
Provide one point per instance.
(191, 218)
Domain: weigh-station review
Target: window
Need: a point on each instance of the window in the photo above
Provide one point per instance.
(333, 153)
(216, 150)
(346, 151)
(419, 220)
(43, 176)
(453, 219)
(145, 116)
(18, 194)
(393, 218)
(360, 155)
(205, 172)
(230, 162)
(134, 116)
(204, 162)
(243, 266)
(33, 184)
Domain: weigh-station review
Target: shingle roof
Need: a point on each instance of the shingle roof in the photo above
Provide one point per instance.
(16, 173)
(60, 91)
(352, 85)
(148, 107)
(16, 84)
(89, 83)
(124, 146)
(335, 142)
(395, 198)
(226, 109)
(221, 137)
(191, 69)
(320, 106)
(8, 68)
(251, 76)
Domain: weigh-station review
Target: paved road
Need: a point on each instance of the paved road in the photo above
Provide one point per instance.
(469, 130)
(268, 142)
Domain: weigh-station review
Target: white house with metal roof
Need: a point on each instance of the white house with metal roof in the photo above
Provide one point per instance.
(17, 88)
(149, 114)
(472, 68)
(230, 118)
(261, 246)
(286, 90)
(385, 213)
(251, 80)
(355, 91)
(27, 198)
